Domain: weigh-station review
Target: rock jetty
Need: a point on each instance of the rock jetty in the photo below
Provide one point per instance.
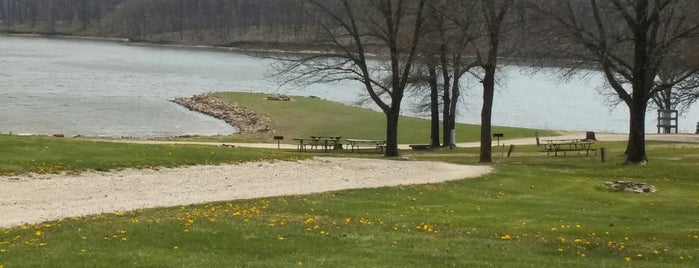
(245, 120)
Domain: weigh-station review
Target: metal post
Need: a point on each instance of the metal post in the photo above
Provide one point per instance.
(279, 139)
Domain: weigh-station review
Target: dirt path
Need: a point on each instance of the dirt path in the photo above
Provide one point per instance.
(38, 198)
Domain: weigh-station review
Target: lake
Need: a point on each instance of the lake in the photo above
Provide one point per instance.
(95, 88)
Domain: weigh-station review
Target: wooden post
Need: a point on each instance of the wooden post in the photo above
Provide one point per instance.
(603, 153)
(512, 148)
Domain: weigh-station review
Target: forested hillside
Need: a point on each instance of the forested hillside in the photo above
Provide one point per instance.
(210, 22)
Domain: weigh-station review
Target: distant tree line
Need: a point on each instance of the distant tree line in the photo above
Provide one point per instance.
(214, 22)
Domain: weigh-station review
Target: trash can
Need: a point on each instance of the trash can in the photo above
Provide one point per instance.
(697, 128)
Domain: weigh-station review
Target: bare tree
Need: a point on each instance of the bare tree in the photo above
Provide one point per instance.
(630, 41)
(354, 30)
(677, 84)
(449, 32)
(493, 20)
(456, 34)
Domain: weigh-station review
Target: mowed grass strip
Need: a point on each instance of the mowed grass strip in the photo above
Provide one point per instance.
(533, 211)
(306, 116)
(20, 155)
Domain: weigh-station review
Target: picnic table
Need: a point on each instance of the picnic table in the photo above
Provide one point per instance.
(325, 143)
(329, 140)
(379, 145)
(568, 145)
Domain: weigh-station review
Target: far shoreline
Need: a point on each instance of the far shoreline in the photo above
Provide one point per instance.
(146, 43)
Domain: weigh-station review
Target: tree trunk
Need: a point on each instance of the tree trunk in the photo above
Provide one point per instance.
(434, 108)
(487, 114)
(636, 147)
(455, 94)
(446, 116)
(392, 132)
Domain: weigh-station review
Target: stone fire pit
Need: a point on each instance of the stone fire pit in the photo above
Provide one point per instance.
(629, 186)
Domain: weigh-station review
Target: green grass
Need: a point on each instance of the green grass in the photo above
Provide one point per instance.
(19, 155)
(533, 211)
(304, 117)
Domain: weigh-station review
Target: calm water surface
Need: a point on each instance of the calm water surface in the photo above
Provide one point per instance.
(52, 86)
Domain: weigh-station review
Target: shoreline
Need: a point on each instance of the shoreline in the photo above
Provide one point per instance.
(145, 43)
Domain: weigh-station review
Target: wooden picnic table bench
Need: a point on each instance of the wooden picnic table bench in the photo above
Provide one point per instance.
(379, 145)
(568, 145)
(328, 140)
(325, 143)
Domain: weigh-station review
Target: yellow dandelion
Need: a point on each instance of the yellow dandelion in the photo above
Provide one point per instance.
(123, 239)
(38, 233)
(506, 237)
(308, 221)
(627, 259)
(577, 240)
(639, 255)
(175, 248)
(280, 238)
(578, 226)
(560, 250)
(42, 244)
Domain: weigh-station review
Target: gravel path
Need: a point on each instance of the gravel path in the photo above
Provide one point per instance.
(38, 198)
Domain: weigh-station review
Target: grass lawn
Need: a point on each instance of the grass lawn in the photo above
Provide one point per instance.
(19, 155)
(533, 211)
(305, 117)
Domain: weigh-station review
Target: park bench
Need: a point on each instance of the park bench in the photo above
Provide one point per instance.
(379, 145)
(419, 147)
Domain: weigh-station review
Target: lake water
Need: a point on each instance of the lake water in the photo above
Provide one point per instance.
(91, 88)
